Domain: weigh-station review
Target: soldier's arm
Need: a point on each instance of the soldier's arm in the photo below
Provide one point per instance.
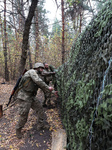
(45, 73)
(52, 68)
(36, 79)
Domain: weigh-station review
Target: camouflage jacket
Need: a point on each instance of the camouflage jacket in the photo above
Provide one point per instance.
(47, 76)
(30, 83)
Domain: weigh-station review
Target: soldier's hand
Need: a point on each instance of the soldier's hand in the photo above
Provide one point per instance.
(51, 88)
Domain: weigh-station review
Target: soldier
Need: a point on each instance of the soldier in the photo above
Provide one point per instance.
(48, 76)
(26, 96)
(53, 69)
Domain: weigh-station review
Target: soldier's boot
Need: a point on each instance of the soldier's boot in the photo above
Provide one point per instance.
(18, 133)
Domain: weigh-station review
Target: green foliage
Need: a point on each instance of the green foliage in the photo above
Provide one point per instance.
(56, 27)
(100, 4)
(42, 19)
(83, 93)
(102, 22)
(75, 49)
(104, 110)
(81, 129)
(107, 90)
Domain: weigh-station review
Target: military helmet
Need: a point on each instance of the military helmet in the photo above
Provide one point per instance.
(37, 65)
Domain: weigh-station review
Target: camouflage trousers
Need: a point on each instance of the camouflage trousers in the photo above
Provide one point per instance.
(24, 108)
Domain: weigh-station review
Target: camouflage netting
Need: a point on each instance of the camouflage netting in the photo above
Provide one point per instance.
(85, 86)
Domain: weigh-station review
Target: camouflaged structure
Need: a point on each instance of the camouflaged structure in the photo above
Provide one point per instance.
(84, 84)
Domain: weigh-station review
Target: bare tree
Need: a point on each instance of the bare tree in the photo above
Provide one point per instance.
(26, 35)
(29, 56)
(5, 44)
(36, 34)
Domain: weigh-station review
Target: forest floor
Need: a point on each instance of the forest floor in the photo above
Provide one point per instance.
(33, 139)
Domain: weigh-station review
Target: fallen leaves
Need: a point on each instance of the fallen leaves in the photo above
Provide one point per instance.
(54, 119)
(37, 144)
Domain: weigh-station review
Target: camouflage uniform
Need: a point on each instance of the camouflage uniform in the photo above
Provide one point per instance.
(27, 98)
(47, 77)
(53, 69)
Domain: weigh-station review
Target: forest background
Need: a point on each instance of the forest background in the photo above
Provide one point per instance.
(25, 37)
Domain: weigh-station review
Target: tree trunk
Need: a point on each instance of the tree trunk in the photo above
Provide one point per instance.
(63, 28)
(36, 36)
(80, 25)
(29, 55)
(16, 46)
(21, 15)
(5, 44)
(1, 26)
(26, 35)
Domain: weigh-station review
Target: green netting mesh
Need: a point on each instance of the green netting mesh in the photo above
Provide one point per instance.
(85, 86)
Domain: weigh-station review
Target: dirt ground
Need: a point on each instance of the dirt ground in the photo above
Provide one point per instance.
(33, 139)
